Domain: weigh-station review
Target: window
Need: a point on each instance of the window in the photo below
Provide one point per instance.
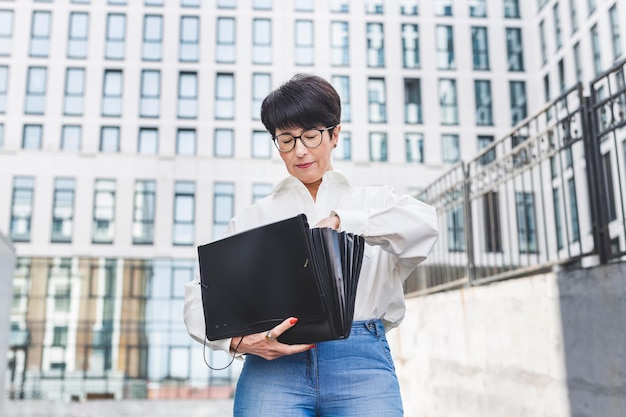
(225, 48)
(115, 36)
(187, 95)
(339, 44)
(22, 208)
(374, 7)
(478, 8)
(261, 86)
(561, 68)
(190, 3)
(260, 191)
(40, 34)
(517, 92)
(110, 139)
(225, 96)
(112, 93)
(448, 109)
(184, 213)
(6, 31)
(74, 92)
(591, 6)
(342, 85)
(339, 6)
(343, 151)
(35, 90)
(445, 48)
(262, 41)
(526, 224)
(378, 147)
(4, 84)
(226, 4)
(375, 45)
(303, 5)
(558, 224)
(409, 7)
(59, 336)
(224, 143)
(595, 46)
(261, 144)
(412, 101)
(104, 211)
(32, 137)
(514, 50)
(491, 220)
(542, 42)
(443, 7)
(1, 135)
(616, 40)
(410, 46)
(63, 210)
(484, 113)
(186, 142)
(223, 207)
(456, 229)
(153, 2)
(304, 42)
(577, 62)
(71, 138)
(377, 100)
(143, 212)
(511, 9)
(118, 2)
(262, 4)
(573, 15)
(450, 149)
(148, 143)
(78, 35)
(150, 93)
(189, 38)
(558, 38)
(414, 147)
(483, 142)
(152, 37)
(480, 48)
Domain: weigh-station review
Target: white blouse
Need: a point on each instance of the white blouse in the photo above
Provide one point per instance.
(399, 232)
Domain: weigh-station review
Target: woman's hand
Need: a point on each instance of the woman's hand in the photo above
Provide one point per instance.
(331, 221)
(265, 344)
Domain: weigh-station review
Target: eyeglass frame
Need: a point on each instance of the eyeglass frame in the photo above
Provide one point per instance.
(326, 129)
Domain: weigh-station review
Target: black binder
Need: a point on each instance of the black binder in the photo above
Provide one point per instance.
(254, 280)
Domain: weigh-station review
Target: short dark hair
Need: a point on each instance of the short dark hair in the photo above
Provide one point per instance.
(305, 101)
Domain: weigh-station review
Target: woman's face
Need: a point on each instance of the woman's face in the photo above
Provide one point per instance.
(309, 164)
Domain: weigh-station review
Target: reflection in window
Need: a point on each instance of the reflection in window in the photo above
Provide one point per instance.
(143, 212)
(556, 13)
(526, 223)
(339, 44)
(377, 101)
(414, 147)
(152, 37)
(262, 41)
(225, 48)
(480, 48)
(595, 47)
(517, 91)
(412, 101)
(63, 210)
(375, 45)
(514, 50)
(450, 151)
(409, 7)
(40, 34)
(187, 95)
(456, 229)
(224, 96)
(410, 46)
(342, 85)
(74, 92)
(445, 47)
(35, 90)
(448, 108)
(104, 211)
(189, 38)
(343, 151)
(511, 9)
(443, 7)
(224, 143)
(115, 36)
(22, 208)
(223, 207)
(484, 113)
(184, 213)
(378, 147)
(112, 93)
(478, 8)
(78, 35)
(616, 40)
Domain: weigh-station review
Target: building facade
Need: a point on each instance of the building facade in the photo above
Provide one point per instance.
(130, 134)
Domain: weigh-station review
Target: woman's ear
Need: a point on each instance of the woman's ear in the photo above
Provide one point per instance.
(335, 137)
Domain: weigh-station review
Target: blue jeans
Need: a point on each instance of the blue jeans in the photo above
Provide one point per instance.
(351, 377)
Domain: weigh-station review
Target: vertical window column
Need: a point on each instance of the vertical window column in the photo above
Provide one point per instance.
(143, 212)
(22, 208)
(78, 35)
(115, 36)
(378, 147)
(189, 38)
(484, 112)
(40, 34)
(410, 46)
(63, 210)
(6, 32)
(377, 105)
(225, 48)
(223, 207)
(104, 211)
(448, 103)
(262, 41)
(36, 90)
(74, 92)
(112, 93)
(375, 45)
(225, 96)
(152, 37)
(304, 42)
(261, 86)
(412, 101)
(342, 85)
(339, 44)
(187, 95)
(150, 93)
(184, 213)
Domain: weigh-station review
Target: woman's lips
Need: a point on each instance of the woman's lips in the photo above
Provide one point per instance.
(304, 166)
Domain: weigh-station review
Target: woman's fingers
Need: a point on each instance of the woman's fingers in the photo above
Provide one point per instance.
(281, 328)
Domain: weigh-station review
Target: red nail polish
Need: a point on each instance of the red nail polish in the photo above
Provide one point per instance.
(293, 321)
(312, 347)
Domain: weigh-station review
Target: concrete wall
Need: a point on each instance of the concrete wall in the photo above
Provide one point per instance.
(7, 264)
(551, 345)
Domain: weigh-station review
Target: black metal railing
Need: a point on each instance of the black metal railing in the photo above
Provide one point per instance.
(549, 193)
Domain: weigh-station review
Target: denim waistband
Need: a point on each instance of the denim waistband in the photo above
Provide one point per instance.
(371, 326)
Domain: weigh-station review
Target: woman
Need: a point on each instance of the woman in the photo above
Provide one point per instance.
(351, 377)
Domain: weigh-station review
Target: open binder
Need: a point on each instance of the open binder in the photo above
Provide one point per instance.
(254, 280)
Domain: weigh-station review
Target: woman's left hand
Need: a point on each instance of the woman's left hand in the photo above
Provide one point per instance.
(331, 221)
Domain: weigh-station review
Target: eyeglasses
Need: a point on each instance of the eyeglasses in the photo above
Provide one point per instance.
(311, 139)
